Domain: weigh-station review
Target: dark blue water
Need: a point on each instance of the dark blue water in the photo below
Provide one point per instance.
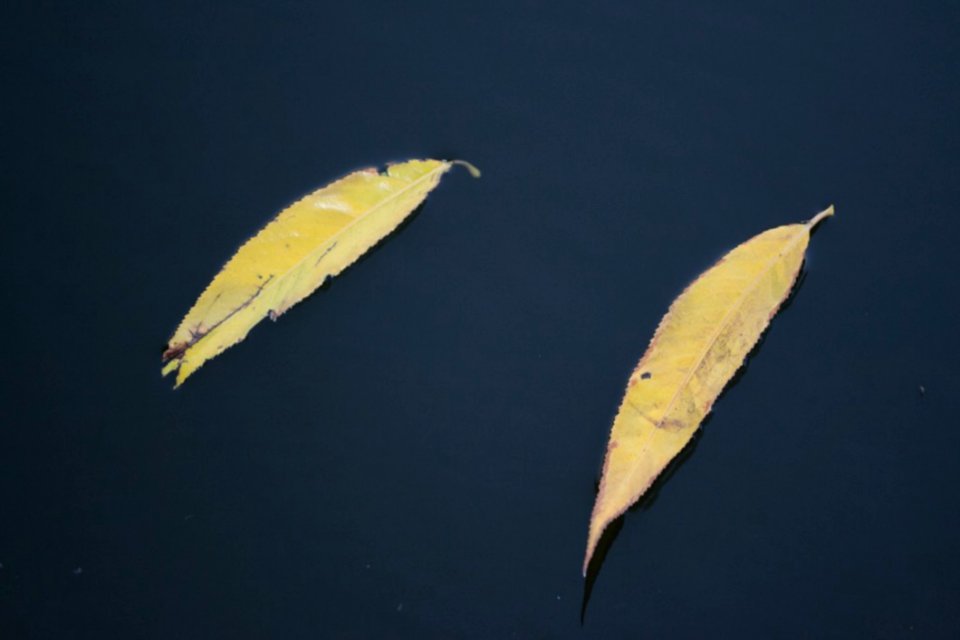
(413, 452)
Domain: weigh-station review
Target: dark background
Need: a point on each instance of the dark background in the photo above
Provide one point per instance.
(413, 452)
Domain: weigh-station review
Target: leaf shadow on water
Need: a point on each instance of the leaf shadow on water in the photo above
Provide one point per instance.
(645, 503)
(647, 500)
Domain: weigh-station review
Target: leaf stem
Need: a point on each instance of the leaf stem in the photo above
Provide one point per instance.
(469, 167)
(815, 220)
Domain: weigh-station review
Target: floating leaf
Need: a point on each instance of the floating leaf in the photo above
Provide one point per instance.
(314, 239)
(698, 347)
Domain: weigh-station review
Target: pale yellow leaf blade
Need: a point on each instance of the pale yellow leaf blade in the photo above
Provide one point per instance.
(697, 348)
(313, 239)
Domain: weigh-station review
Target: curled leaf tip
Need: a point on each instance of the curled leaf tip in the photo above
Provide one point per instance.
(469, 167)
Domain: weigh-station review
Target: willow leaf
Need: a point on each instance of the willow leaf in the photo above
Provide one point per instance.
(697, 348)
(314, 239)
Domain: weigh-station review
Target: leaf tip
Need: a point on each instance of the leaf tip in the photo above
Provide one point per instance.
(593, 538)
(174, 364)
(468, 166)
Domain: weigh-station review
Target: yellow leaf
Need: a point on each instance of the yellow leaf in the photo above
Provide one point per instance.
(313, 239)
(698, 347)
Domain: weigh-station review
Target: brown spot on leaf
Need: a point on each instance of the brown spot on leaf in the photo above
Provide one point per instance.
(671, 424)
(174, 351)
